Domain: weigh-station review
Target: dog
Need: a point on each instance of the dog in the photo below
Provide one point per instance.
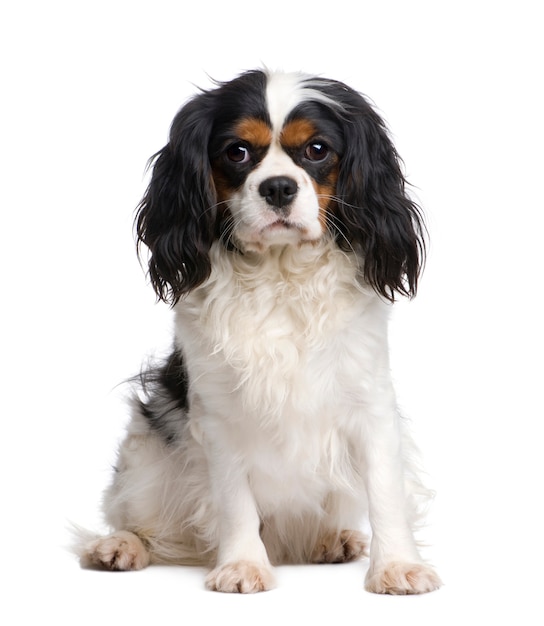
(279, 228)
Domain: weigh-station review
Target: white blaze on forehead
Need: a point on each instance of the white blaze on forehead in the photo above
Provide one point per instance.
(285, 91)
(282, 96)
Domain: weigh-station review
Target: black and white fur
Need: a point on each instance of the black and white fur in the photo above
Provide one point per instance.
(272, 431)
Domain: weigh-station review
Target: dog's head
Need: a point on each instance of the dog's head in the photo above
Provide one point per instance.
(273, 159)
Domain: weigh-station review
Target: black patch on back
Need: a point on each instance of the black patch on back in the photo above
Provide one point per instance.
(166, 404)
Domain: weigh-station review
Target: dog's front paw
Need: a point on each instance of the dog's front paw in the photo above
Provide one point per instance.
(340, 547)
(240, 577)
(122, 550)
(402, 578)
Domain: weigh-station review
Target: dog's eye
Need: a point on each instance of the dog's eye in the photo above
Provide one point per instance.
(316, 151)
(238, 153)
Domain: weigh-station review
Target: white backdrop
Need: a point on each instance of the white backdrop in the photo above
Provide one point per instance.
(89, 90)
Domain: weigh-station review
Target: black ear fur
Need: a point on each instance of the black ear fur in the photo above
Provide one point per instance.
(379, 218)
(176, 217)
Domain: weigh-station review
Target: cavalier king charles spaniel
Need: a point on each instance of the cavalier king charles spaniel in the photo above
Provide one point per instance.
(279, 229)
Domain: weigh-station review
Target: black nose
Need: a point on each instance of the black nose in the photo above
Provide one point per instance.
(278, 191)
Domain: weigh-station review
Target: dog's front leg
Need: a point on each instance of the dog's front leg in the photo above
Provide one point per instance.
(395, 564)
(242, 562)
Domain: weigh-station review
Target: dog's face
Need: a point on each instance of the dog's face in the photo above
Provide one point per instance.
(273, 159)
(275, 173)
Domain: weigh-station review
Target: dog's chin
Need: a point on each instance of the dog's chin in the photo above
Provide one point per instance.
(280, 232)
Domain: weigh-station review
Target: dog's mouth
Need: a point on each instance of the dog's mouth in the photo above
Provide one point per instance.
(276, 230)
(279, 225)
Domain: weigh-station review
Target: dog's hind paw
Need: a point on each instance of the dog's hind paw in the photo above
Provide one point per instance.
(121, 550)
(340, 547)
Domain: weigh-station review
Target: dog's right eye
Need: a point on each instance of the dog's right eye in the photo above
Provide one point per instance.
(238, 153)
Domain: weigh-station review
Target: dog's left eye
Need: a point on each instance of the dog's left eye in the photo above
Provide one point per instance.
(238, 153)
(316, 151)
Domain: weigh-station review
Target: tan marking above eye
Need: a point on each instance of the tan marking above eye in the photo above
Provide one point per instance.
(297, 133)
(254, 131)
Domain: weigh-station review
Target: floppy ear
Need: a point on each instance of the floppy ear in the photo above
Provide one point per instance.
(379, 218)
(176, 217)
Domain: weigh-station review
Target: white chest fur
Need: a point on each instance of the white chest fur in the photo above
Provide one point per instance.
(277, 322)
